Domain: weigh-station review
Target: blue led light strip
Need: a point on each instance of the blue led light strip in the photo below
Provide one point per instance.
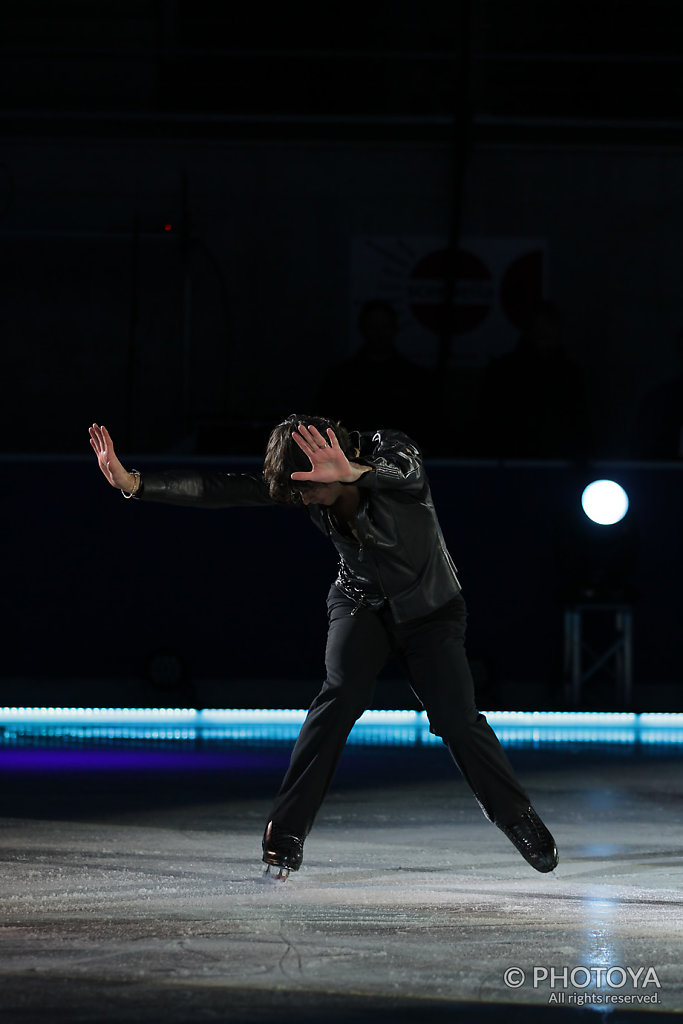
(404, 728)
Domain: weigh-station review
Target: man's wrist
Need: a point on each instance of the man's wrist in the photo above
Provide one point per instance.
(130, 492)
(356, 471)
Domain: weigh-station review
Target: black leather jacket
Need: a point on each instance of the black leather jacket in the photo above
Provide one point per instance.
(396, 552)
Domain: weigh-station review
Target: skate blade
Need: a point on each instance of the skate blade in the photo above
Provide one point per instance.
(281, 876)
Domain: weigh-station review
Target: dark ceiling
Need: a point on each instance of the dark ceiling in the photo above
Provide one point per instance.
(402, 67)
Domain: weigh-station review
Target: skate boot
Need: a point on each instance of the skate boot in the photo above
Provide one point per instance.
(533, 840)
(281, 850)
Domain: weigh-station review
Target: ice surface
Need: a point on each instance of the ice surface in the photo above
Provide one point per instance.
(144, 899)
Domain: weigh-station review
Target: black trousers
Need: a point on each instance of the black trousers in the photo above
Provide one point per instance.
(432, 651)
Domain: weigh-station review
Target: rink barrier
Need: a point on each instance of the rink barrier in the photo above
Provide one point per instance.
(373, 728)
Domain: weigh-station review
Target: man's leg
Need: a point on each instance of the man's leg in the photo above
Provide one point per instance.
(433, 653)
(357, 647)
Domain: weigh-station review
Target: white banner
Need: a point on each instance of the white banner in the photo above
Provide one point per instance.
(497, 282)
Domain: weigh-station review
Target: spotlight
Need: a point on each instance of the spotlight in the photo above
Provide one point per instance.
(605, 502)
(597, 546)
(597, 557)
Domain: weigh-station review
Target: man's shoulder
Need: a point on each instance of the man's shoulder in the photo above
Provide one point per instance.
(396, 460)
(386, 437)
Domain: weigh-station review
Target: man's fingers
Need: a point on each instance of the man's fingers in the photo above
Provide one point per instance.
(108, 443)
(102, 437)
(303, 444)
(98, 444)
(311, 434)
(333, 438)
(316, 447)
(317, 436)
(308, 436)
(302, 476)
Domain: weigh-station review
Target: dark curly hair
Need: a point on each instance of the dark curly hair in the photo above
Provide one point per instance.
(284, 457)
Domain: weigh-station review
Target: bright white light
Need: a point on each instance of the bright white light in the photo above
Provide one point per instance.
(605, 502)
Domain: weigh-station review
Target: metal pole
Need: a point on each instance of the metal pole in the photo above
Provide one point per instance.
(186, 301)
(132, 332)
(462, 119)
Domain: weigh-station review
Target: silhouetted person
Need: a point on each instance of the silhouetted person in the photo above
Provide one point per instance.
(659, 424)
(378, 385)
(532, 401)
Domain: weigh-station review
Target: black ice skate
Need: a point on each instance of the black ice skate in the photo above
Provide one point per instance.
(533, 840)
(281, 850)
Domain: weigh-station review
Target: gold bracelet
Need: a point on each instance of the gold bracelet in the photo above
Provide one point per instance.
(131, 494)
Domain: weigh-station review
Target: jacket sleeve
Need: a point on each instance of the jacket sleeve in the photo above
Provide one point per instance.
(396, 463)
(204, 490)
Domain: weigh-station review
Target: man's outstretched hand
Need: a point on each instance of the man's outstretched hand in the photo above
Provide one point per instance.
(103, 446)
(328, 462)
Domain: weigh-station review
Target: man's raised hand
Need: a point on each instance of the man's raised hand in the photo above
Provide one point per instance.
(103, 446)
(328, 462)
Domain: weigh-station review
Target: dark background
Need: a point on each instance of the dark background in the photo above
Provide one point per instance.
(191, 197)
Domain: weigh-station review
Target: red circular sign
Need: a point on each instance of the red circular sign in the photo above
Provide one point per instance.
(473, 291)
